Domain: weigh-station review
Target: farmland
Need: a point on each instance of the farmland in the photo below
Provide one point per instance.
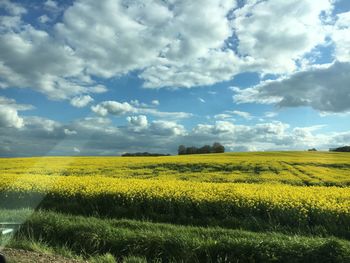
(234, 207)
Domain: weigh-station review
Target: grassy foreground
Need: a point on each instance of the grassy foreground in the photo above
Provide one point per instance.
(169, 243)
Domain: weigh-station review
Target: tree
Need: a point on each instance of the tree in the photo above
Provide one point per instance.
(191, 150)
(312, 150)
(340, 149)
(218, 148)
(205, 149)
(181, 150)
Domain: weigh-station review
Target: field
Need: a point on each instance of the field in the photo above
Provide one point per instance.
(233, 207)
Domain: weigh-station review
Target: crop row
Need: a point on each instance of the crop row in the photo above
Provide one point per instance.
(173, 200)
(298, 168)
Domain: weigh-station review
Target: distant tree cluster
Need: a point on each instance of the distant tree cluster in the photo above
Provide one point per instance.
(144, 154)
(312, 150)
(215, 148)
(340, 149)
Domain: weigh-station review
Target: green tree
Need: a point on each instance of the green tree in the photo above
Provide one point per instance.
(218, 148)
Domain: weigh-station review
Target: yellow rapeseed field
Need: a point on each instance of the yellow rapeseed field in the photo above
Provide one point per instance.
(271, 196)
(297, 168)
(292, 186)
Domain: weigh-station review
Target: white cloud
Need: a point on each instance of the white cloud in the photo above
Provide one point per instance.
(324, 88)
(81, 101)
(112, 107)
(274, 33)
(171, 43)
(214, 67)
(9, 118)
(201, 100)
(167, 128)
(222, 116)
(11, 103)
(270, 114)
(9, 113)
(137, 123)
(341, 36)
(69, 132)
(135, 107)
(242, 114)
(230, 114)
(76, 150)
(99, 136)
(42, 124)
(32, 58)
(12, 8)
(43, 19)
(170, 40)
(155, 102)
(51, 4)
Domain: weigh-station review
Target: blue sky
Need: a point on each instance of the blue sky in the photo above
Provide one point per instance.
(104, 78)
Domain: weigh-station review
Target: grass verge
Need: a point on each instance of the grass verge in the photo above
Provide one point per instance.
(169, 243)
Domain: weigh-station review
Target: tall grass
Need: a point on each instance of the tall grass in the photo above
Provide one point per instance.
(169, 243)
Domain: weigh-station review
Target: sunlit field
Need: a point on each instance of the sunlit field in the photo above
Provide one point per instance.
(234, 207)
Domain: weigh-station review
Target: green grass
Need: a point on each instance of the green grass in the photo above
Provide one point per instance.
(170, 243)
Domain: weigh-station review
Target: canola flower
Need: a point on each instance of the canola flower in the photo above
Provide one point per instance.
(301, 200)
(295, 168)
(294, 188)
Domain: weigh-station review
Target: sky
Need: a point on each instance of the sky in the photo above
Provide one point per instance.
(88, 77)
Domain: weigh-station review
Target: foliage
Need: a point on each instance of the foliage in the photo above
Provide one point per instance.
(144, 154)
(216, 148)
(341, 149)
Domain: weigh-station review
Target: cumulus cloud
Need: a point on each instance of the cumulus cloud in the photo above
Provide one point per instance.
(138, 123)
(242, 114)
(231, 114)
(9, 113)
(274, 34)
(32, 58)
(341, 37)
(112, 107)
(36, 59)
(43, 19)
(12, 8)
(69, 132)
(270, 114)
(167, 128)
(155, 102)
(51, 4)
(81, 101)
(263, 136)
(169, 43)
(164, 38)
(100, 136)
(9, 118)
(134, 107)
(324, 88)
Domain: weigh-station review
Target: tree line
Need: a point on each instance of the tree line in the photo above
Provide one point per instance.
(144, 154)
(340, 149)
(215, 148)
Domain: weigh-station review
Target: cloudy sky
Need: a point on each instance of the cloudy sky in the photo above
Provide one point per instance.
(88, 77)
